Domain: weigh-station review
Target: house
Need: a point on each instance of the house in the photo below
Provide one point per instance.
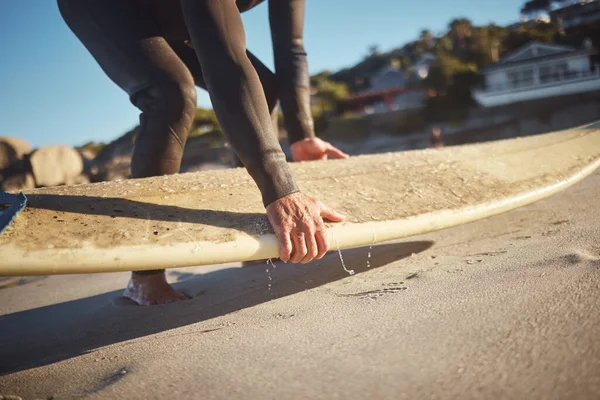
(577, 14)
(388, 78)
(388, 91)
(538, 70)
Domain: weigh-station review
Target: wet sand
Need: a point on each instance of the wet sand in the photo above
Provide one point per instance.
(508, 307)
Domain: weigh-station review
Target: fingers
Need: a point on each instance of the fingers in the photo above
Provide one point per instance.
(334, 152)
(298, 222)
(312, 249)
(285, 246)
(330, 214)
(299, 251)
(322, 243)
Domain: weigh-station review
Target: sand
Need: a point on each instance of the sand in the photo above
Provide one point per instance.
(507, 307)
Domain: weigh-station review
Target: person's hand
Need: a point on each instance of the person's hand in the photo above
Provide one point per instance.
(315, 149)
(297, 220)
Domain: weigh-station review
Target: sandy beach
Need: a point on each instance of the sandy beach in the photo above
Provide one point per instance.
(507, 307)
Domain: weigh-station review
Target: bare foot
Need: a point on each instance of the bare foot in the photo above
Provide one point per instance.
(148, 290)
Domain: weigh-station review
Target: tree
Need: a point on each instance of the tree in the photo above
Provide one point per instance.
(486, 44)
(460, 32)
(444, 45)
(204, 121)
(533, 8)
(443, 70)
(373, 50)
(545, 33)
(328, 93)
(425, 42)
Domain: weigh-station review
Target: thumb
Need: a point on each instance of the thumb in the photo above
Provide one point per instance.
(335, 152)
(330, 214)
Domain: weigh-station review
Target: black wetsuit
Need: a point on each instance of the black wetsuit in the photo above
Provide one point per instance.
(158, 50)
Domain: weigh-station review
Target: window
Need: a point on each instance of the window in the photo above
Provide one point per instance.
(545, 74)
(560, 70)
(513, 79)
(527, 77)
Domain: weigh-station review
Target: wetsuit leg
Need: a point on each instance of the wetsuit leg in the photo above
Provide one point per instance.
(126, 43)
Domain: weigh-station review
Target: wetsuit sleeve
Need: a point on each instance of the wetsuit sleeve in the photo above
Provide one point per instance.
(238, 99)
(291, 66)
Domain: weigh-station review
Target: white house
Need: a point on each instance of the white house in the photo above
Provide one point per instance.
(536, 71)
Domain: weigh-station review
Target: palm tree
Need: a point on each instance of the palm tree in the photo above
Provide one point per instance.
(460, 31)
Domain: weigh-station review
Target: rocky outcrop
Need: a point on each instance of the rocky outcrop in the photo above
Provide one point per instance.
(12, 150)
(22, 168)
(114, 160)
(17, 182)
(56, 165)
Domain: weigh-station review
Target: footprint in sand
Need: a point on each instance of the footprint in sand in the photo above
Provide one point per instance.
(392, 287)
(283, 316)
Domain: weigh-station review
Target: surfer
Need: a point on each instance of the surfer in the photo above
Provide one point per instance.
(157, 51)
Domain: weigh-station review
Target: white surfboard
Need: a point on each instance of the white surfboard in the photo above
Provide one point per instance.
(217, 216)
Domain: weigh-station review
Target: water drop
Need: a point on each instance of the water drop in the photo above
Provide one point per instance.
(369, 253)
(351, 271)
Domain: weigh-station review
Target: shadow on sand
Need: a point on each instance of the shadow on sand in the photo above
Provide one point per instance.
(50, 334)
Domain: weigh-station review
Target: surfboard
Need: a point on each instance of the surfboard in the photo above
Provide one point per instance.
(214, 217)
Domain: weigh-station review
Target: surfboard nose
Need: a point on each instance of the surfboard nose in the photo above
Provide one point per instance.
(10, 206)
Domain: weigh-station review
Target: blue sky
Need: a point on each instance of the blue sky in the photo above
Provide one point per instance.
(52, 91)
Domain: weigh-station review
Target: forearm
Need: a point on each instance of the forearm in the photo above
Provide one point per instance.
(291, 66)
(237, 95)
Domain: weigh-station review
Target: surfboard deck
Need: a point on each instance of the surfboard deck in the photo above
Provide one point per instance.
(217, 217)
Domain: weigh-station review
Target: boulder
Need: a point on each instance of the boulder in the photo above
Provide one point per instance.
(88, 160)
(18, 182)
(56, 165)
(81, 179)
(12, 150)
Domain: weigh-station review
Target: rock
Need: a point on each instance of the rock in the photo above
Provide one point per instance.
(56, 165)
(88, 161)
(18, 182)
(7, 155)
(12, 150)
(81, 179)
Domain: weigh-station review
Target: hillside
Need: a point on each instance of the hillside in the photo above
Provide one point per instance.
(460, 52)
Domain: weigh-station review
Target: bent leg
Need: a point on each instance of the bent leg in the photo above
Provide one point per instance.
(123, 39)
(126, 43)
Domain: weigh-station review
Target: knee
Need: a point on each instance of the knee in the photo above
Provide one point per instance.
(173, 100)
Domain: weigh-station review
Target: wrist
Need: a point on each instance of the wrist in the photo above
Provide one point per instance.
(274, 179)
